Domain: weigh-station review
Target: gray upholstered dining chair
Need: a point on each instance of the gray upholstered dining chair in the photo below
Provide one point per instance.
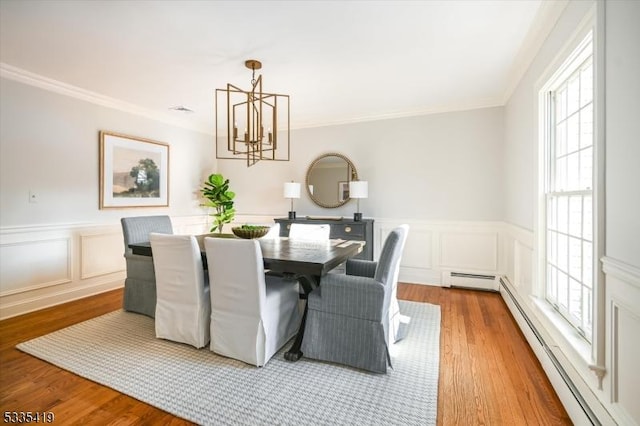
(183, 304)
(140, 284)
(348, 315)
(398, 323)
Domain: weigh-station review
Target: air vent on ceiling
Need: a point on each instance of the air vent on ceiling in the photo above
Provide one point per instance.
(181, 108)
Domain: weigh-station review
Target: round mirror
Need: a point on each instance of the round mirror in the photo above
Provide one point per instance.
(328, 180)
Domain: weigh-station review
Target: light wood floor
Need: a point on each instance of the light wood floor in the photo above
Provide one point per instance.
(488, 373)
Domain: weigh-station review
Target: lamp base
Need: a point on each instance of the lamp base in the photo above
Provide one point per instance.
(292, 215)
(357, 217)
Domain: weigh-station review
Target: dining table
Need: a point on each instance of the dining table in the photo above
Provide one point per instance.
(298, 260)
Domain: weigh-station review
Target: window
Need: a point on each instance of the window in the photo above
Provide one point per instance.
(568, 190)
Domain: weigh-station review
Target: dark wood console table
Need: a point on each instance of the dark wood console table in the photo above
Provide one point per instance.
(342, 228)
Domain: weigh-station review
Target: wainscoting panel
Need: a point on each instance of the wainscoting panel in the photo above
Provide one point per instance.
(34, 264)
(435, 248)
(623, 343)
(85, 259)
(51, 264)
(194, 225)
(518, 260)
(418, 258)
(418, 251)
(101, 254)
(523, 264)
(469, 250)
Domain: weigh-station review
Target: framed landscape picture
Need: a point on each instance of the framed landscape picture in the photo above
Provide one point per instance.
(134, 172)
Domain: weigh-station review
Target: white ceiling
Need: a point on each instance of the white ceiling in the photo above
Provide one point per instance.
(340, 61)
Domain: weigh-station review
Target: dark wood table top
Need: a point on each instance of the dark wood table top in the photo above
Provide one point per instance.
(290, 256)
(305, 261)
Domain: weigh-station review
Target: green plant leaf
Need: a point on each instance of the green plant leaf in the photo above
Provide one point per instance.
(216, 191)
(216, 179)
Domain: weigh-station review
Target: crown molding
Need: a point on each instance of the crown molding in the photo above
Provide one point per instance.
(548, 14)
(480, 104)
(32, 79)
(26, 77)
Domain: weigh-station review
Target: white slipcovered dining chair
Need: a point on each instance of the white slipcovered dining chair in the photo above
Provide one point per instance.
(274, 232)
(309, 232)
(252, 315)
(183, 304)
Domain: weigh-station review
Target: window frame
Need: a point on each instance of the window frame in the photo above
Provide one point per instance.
(556, 112)
(569, 341)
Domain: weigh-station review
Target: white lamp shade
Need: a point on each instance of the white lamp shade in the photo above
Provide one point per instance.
(291, 190)
(358, 189)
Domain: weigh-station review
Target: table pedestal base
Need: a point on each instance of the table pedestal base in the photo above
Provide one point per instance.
(308, 284)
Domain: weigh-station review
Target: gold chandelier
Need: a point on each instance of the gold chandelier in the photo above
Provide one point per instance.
(244, 116)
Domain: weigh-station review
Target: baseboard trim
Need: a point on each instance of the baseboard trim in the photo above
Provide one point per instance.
(570, 385)
(33, 304)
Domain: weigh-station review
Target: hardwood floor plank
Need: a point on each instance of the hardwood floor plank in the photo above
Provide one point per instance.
(507, 413)
(488, 373)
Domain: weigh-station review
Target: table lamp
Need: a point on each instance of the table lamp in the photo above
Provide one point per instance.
(358, 189)
(291, 191)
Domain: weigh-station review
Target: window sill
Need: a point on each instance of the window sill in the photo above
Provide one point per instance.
(567, 338)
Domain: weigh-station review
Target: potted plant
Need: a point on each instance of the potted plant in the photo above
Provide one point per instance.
(216, 191)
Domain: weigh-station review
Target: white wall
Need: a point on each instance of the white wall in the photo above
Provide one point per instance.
(623, 131)
(456, 178)
(607, 378)
(433, 167)
(64, 247)
(439, 173)
(520, 185)
(521, 123)
(622, 251)
(49, 144)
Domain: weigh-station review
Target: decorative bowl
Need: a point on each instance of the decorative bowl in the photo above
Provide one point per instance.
(250, 232)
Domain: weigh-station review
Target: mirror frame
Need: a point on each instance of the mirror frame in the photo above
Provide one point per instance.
(354, 176)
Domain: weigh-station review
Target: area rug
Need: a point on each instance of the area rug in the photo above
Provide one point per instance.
(120, 350)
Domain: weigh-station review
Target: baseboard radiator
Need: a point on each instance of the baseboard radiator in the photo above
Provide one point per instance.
(471, 281)
(563, 373)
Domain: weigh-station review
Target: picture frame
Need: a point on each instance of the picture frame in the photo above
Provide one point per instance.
(343, 191)
(134, 172)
